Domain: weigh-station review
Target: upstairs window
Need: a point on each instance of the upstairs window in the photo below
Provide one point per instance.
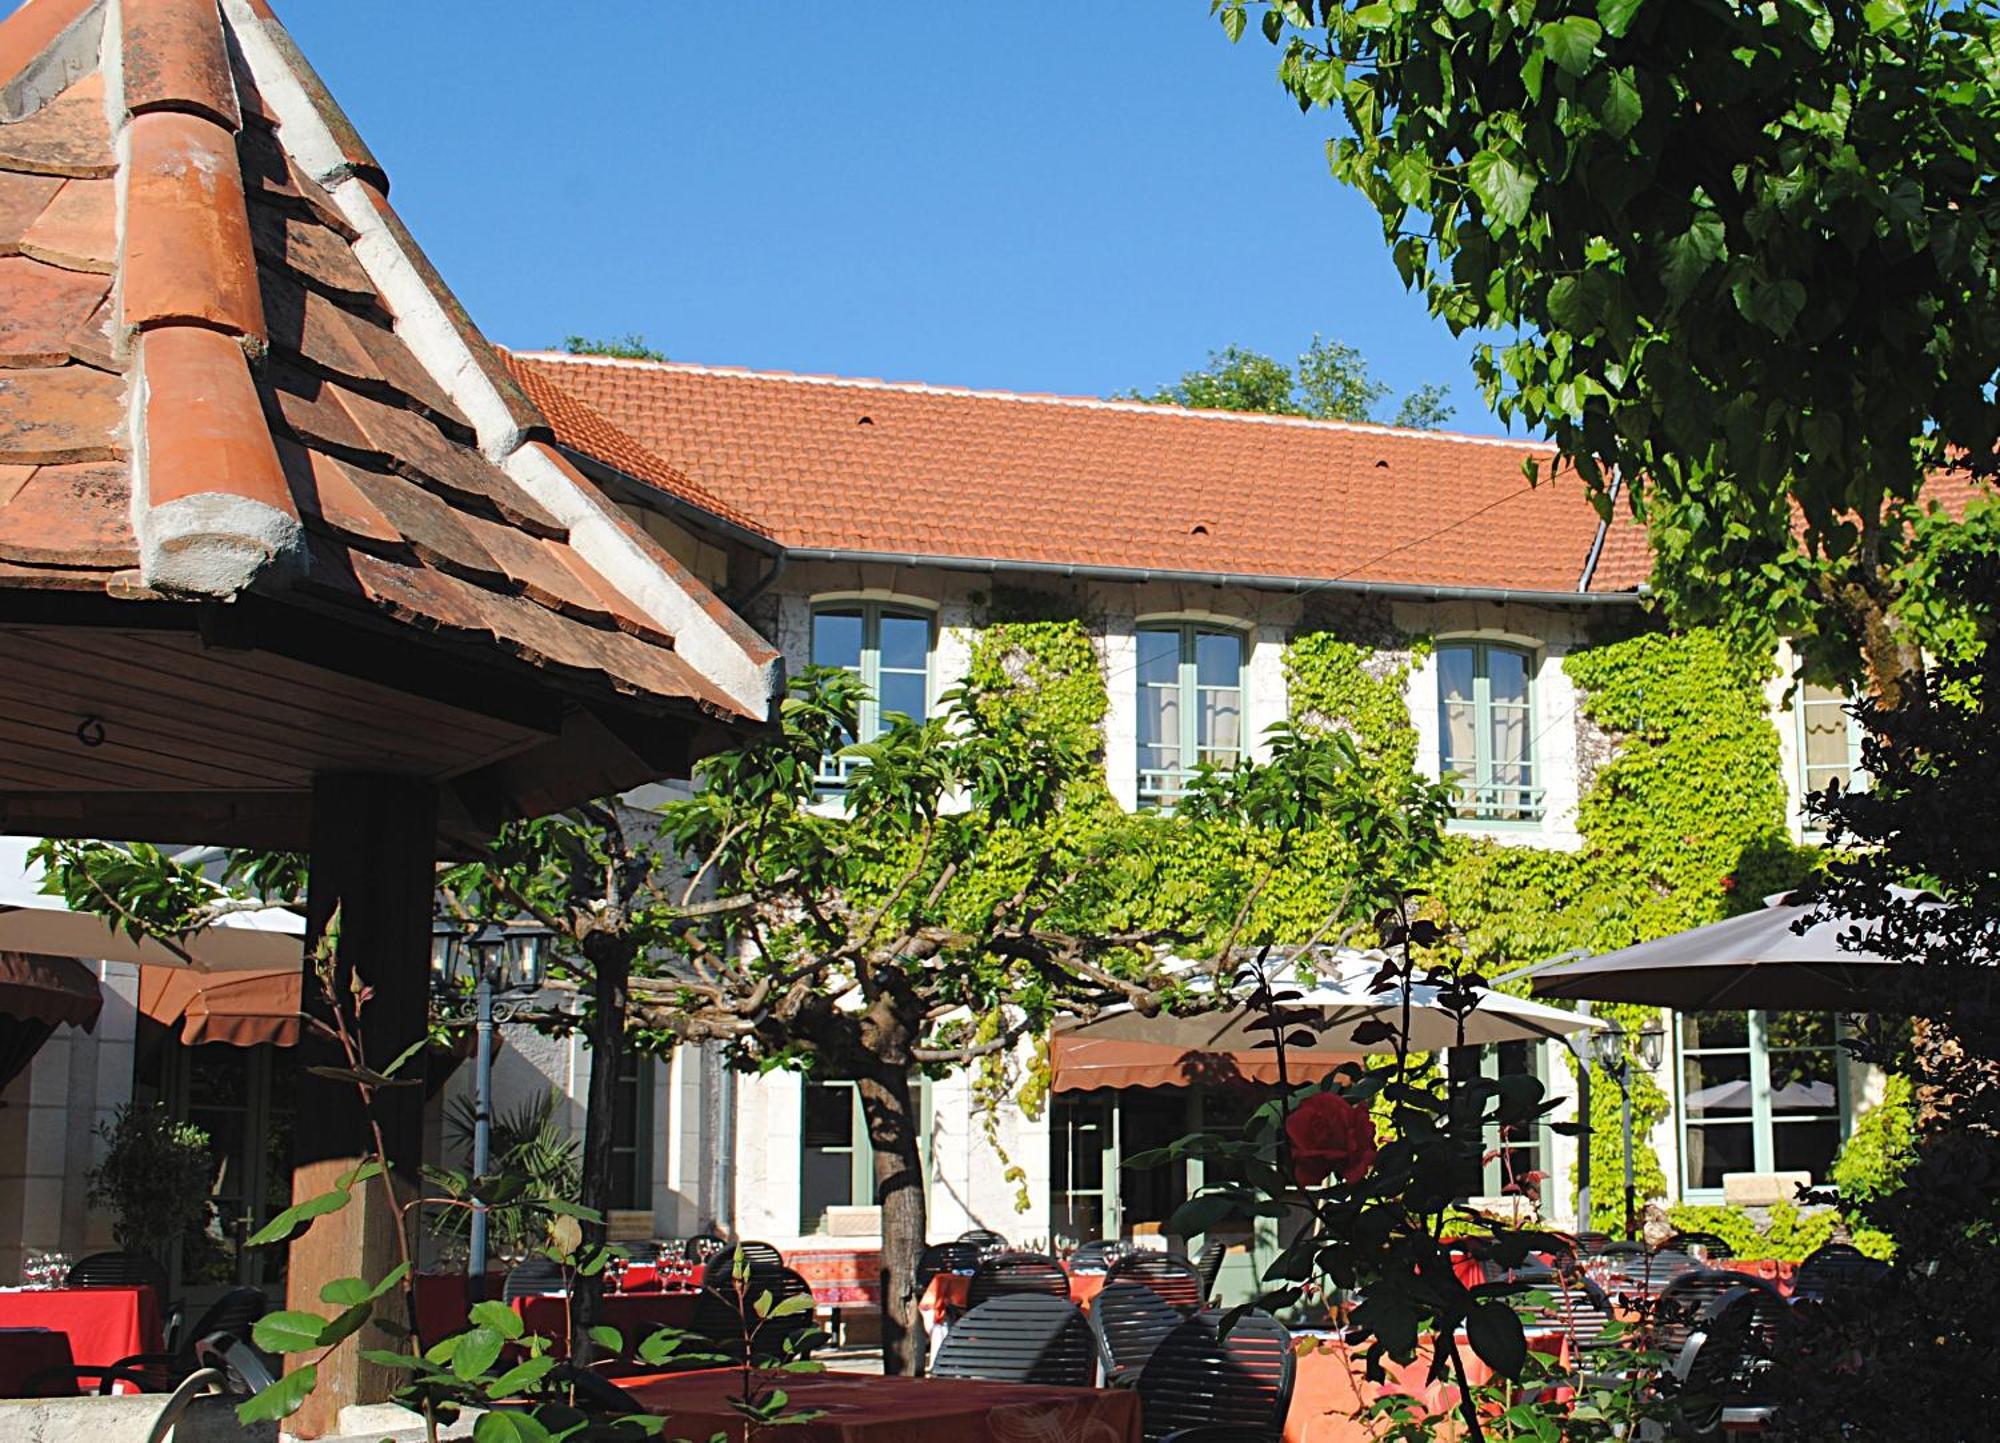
(1190, 706)
(1486, 732)
(1829, 744)
(889, 648)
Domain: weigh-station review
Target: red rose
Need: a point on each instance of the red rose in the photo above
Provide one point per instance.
(1330, 1137)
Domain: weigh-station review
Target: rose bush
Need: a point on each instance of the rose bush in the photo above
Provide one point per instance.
(1330, 1137)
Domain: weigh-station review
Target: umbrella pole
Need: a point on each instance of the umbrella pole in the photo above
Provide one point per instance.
(1625, 1124)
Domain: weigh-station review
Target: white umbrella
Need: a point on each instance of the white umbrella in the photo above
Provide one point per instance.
(32, 921)
(1334, 1008)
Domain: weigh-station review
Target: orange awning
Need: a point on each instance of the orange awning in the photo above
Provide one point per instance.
(1079, 1063)
(35, 987)
(243, 1009)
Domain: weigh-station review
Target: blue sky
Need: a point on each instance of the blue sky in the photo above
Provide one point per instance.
(1015, 195)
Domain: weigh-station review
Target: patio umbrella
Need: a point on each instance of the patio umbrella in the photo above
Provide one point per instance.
(37, 995)
(31, 921)
(1200, 1046)
(1758, 960)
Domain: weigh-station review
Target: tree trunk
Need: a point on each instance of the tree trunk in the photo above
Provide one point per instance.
(610, 998)
(888, 1102)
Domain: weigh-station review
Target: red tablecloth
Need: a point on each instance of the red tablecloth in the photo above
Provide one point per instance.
(442, 1303)
(949, 1294)
(1332, 1388)
(863, 1409)
(1774, 1270)
(24, 1352)
(632, 1314)
(103, 1324)
(840, 1277)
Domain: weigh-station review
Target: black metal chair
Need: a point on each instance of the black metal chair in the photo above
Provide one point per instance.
(534, 1278)
(1097, 1255)
(1679, 1308)
(123, 1269)
(1130, 1321)
(1838, 1268)
(1025, 1338)
(989, 1243)
(1714, 1246)
(724, 1318)
(946, 1258)
(719, 1266)
(1175, 1279)
(1724, 1379)
(229, 1317)
(1197, 1377)
(1011, 1273)
(1592, 1244)
(245, 1367)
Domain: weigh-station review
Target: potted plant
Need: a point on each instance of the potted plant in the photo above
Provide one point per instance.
(154, 1179)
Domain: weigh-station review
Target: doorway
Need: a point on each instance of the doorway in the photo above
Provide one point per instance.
(242, 1097)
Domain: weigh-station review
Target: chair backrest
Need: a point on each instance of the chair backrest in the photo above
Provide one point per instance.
(1645, 1272)
(1097, 1255)
(534, 1277)
(1731, 1357)
(1681, 1305)
(1714, 1245)
(1592, 1244)
(701, 1249)
(1175, 1279)
(1197, 1377)
(946, 1258)
(1621, 1249)
(989, 1243)
(246, 1369)
(1010, 1273)
(1209, 1265)
(719, 1317)
(118, 1270)
(716, 1271)
(1025, 1338)
(1578, 1310)
(230, 1316)
(1837, 1268)
(1130, 1322)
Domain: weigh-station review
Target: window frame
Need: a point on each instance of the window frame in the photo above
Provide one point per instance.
(1763, 1141)
(1810, 825)
(1158, 788)
(833, 768)
(1535, 793)
(1534, 1147)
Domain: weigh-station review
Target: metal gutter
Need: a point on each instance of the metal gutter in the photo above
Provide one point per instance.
(1398, 590)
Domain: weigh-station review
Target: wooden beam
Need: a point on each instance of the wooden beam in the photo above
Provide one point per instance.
(373, 858)
(270, 821)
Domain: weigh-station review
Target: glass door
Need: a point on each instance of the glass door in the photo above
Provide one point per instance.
(1083, 1166)
(242, 1098)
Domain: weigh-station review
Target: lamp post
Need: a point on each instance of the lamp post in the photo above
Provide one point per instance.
(1609, 1045)
(504, 967)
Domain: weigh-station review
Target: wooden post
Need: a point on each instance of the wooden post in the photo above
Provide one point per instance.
(374, 849)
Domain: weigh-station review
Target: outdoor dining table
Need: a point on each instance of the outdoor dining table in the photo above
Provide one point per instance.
(863, 1408)
(949, 1294)
(634, 1315)
(102, 1325)
(1332, 1388)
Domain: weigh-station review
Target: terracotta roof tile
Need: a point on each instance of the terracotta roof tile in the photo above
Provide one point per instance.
(41, 309)
(277, 377)
(907, 470)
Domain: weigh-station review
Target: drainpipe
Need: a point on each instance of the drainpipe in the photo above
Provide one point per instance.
(1582, 1053)
(725, 1152)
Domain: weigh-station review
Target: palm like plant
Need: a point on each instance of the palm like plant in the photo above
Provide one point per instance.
(534, 1160)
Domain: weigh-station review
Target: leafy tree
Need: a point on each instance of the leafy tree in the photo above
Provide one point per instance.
(1331, 382)
(1743, 256)
(629, 347)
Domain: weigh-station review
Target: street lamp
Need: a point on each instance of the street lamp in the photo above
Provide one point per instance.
(503, 964)
(1609, 1047)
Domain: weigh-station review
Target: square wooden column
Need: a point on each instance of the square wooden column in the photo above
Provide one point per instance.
(374, 851)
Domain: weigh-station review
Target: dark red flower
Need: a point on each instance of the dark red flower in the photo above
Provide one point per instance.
(1330, 1137)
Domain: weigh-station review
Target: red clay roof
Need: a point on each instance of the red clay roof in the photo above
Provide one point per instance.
(870, 467)
(290, 433)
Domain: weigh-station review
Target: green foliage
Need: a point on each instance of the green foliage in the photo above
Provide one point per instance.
(1878, 1154)
(1331, 382)
(1333, 683)
(534, 1157)
(1789, 1233)
(629, 347)
(155, 1178)
(1039, 675)
(1679, 218)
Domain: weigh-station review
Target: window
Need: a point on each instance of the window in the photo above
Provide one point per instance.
(837, 1165)
(1829, 743)
(1760, 1092)
(631, 1127)
(890, 650)
(1190, 706)
(1513, 1160)
(1486, 732)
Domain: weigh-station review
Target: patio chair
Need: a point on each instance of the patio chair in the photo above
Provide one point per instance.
(1130, 1321)
(1725, 1377)
(1175, 1279)
(229, 1317)
(1592, 1244)
(719, 1317)
(122, 1269)
(719, 1266)
(701, 1249)
(1024, 1338)
(1224, 1433)
(946, 1258)
(1838, 1268)
(1199, 1378)
(1713, 1245)
(1096, 1255)
(990, 1244)
(1209, 1265)
(1679, 1308)
(534, 1278)
(1011, 1273)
